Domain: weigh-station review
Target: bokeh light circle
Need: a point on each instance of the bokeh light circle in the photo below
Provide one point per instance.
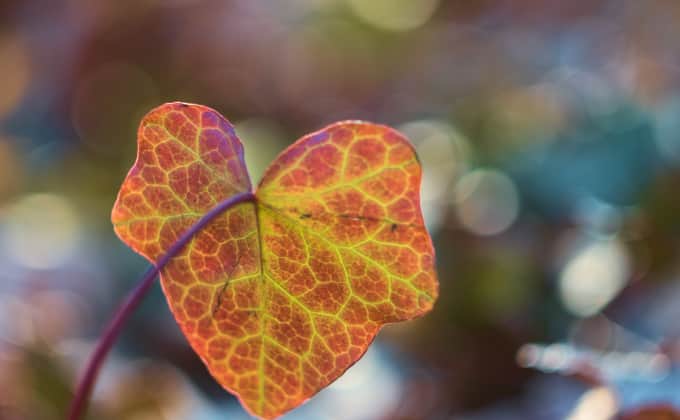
(594, 276)
(487, 201)
(41, 231)
(394, 15)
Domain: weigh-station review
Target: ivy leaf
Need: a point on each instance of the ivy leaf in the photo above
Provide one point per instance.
(280, 295)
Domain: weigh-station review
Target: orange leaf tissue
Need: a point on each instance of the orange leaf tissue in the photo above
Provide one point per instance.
(284, 289)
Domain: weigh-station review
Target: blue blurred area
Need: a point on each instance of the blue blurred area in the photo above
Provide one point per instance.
(613, 159)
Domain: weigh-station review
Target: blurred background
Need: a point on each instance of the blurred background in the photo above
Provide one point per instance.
(549, 133)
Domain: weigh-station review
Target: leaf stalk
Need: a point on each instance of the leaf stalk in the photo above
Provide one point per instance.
(132, 301)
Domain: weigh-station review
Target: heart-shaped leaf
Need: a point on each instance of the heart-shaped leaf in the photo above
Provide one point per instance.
(280, 295)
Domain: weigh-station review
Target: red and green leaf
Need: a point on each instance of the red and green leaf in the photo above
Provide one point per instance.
(279, 296)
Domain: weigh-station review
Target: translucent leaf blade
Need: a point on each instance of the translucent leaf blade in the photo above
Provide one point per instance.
(280, 296)
(344, 251)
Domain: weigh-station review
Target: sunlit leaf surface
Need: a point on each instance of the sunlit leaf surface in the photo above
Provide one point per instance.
(280, 296)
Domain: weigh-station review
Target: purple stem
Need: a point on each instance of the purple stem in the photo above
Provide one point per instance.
(133, 299)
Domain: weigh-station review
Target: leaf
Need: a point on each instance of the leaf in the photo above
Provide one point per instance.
(281, 295)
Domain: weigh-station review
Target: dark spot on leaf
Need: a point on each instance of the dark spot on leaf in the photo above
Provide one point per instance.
(393, 227)
(218, 301)
(305, 216)
(220, 293)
